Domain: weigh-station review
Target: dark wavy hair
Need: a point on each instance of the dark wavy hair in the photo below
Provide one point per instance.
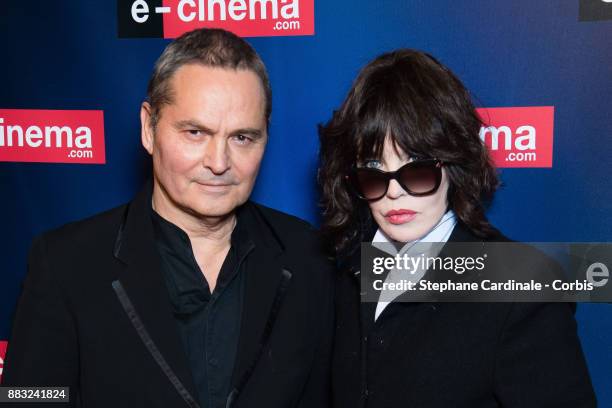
(411, 97)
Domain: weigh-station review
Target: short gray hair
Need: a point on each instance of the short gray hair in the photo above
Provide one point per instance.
(209, 47)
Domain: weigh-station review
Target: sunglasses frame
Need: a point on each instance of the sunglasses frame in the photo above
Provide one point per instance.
(395, 175)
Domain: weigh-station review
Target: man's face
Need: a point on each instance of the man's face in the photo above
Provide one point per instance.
(209, 142)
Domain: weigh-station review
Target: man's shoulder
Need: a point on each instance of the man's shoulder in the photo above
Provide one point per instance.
(303, 248)
(295, 234)
(286, 225)
(93, 230)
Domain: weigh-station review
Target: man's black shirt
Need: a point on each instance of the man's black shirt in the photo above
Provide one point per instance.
(209, 323)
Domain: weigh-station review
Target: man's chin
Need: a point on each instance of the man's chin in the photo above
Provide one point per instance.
(221, 209)
(210, 212)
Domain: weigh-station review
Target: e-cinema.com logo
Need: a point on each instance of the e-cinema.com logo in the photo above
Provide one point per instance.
(3, 345)
(246, 18)
(52, 136)
(519, 137)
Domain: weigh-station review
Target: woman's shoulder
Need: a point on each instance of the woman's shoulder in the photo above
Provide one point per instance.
(463, 233)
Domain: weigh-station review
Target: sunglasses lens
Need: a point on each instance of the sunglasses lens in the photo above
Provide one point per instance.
(371, 185)
(421, 178)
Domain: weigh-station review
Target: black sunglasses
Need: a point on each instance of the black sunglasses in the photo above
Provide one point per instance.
(418, 178)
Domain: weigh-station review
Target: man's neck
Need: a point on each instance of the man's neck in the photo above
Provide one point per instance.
(214, 232)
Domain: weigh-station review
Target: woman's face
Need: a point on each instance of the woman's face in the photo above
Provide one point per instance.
(417, 215)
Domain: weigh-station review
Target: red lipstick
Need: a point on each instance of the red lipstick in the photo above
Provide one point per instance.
(400, 216)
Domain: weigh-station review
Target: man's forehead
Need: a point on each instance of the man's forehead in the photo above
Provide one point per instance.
(194, 87)
(194, 74)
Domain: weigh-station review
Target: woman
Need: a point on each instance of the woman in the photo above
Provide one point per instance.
(402, 162)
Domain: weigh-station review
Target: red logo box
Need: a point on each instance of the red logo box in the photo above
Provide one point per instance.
(3, 345)
(52, 136)
(519, 137)
(246, 18)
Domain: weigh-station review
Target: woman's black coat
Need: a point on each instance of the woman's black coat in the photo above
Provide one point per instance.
(472, 355)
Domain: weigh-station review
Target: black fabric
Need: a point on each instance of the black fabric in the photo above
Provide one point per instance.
(460, 355)
(71, 329)
(209, 323)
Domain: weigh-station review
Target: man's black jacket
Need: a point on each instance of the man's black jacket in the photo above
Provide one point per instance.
(95, 315)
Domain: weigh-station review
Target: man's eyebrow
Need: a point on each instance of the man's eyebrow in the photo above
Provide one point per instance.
(193, 124)
(253, 132)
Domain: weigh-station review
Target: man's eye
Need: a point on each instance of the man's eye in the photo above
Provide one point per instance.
(194, 132)
(242, 139)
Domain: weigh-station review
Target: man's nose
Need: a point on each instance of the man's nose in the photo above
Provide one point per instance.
(395, 190)
(216, 155)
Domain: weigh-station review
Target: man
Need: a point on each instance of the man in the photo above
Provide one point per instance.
(190, 295)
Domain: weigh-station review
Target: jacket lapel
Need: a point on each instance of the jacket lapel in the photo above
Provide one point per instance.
(142, 283)
(460, 234)
(265, 276)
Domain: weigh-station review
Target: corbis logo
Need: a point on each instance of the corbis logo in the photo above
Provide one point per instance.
(52, 136)
(3, 345)
(595, 10)
(246, 18)
(519, 137)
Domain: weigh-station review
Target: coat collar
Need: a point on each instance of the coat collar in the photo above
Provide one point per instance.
(143, 281)
(460, 233)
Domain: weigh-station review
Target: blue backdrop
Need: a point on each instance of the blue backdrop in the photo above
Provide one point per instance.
(67, 55)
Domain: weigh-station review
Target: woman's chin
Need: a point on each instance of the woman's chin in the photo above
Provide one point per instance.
(402, 233)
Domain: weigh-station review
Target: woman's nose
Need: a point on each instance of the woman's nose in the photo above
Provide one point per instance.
(395, 190)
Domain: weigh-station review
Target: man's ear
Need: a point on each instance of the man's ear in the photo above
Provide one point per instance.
(147, 136)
